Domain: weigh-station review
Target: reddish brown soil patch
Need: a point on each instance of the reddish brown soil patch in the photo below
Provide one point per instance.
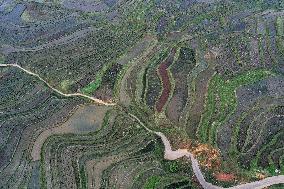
(163, 72)
(166, 87)
(208, 156)
(185, 144)
(260, 176)
(224, 177)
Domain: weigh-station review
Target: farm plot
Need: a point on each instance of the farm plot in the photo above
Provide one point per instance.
(86, 119)
(180, 70)
(153, 82)
(72, 66)
(221, 101)
(165, 80)
(17, 32)
(201, 83)
(118, 155)
(27, 108)
(114, 78)
(258, 123)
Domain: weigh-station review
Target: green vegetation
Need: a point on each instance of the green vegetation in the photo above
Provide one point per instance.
(224, 90)
(173, 166)
(152, 182)
(93, 86)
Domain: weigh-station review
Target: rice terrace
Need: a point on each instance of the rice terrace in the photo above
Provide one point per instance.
(141, 94)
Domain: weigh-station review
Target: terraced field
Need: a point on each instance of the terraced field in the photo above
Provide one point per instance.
(28, 108)
(141, 94)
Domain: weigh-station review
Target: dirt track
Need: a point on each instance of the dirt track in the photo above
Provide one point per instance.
(173, 155)
(98, 101)
(169, 153)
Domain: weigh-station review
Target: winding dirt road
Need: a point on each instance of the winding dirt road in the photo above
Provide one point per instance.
(98, 101)
(169, 153)
(173, 155)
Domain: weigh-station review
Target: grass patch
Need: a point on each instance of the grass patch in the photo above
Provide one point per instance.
(152, 182)
(93, 86)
